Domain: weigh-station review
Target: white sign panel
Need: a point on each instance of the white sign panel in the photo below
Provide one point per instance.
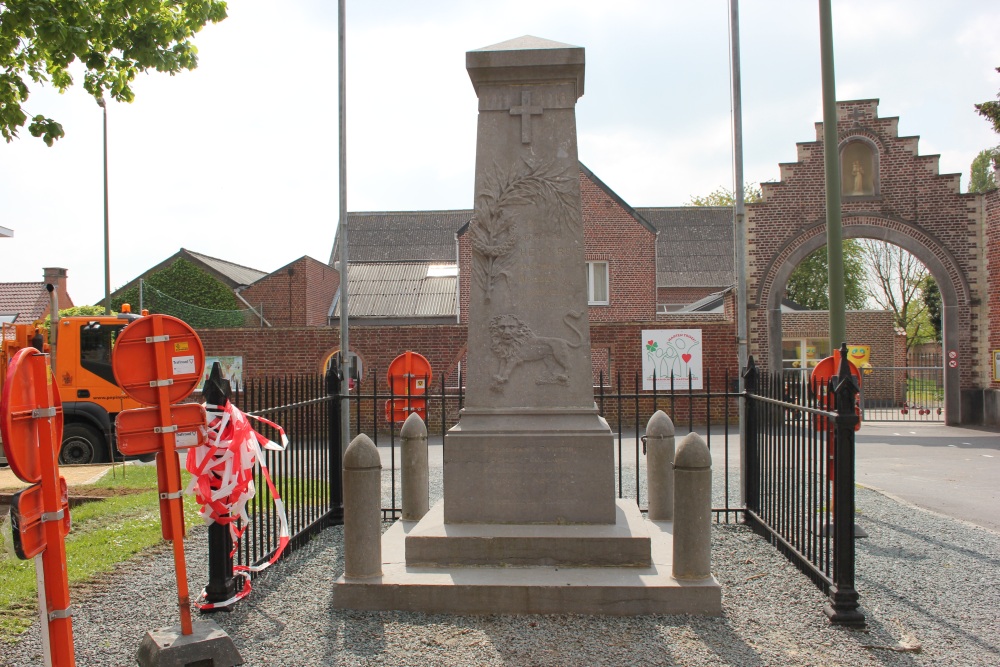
(672, 353)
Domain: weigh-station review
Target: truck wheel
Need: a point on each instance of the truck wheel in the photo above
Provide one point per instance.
(81, 444)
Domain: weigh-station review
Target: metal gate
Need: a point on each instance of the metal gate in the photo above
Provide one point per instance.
(903, 393)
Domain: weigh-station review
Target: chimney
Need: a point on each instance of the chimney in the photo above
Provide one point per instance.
(57, 278)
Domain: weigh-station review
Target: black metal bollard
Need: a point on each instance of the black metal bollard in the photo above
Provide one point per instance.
(843, 607)
(221, 583)
(336, 447)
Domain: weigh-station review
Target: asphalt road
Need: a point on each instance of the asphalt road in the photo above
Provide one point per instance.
(950, 470)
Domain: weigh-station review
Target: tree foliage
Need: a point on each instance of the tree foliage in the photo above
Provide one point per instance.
(113, 40)
(79, 311)
(725, 197)
(809, 283)
(982, 176)
(897, 280)
(931, 294)
(991, 111)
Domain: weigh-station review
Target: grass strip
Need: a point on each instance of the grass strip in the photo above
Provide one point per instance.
(104, 533)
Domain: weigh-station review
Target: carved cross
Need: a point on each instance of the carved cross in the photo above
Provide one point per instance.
(857, 115)
(526, 111)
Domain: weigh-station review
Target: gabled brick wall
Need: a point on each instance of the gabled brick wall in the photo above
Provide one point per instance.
(914, 203)
(613, 235)
(298, 294)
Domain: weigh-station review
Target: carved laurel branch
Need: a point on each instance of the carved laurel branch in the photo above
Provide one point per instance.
(493, 229)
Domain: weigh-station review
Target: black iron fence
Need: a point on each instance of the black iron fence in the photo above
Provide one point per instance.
(795, 469)
(307, 475)
(903, 393)
(800, 477)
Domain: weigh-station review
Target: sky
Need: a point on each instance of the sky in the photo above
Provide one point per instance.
(238, 159)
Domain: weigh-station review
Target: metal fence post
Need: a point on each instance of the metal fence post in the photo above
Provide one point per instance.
(221, 583)
(843, 606)
(749, 457)
(336, 446)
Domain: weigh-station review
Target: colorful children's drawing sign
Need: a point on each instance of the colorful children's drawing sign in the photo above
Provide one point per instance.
(671, 358)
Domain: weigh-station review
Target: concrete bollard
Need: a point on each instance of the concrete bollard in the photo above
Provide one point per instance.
(692, 509)
(660, 466)
(362, 509)
(416, 485)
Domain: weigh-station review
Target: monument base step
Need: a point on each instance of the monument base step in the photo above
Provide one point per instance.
(625, 543)
(539, 589)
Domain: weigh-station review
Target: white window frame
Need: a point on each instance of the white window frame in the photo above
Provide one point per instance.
(591, 268)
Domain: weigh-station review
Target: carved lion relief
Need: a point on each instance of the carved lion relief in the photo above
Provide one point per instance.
(514, 343)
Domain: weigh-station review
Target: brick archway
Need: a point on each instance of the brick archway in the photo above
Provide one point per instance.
(913, 206)
(954, 286)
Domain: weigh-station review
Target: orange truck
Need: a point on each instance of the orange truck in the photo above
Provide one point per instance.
(90, 396)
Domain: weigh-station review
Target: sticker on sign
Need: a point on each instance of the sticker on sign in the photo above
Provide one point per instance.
(184, 365)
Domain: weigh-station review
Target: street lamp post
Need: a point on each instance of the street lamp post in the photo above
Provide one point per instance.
(107, 244)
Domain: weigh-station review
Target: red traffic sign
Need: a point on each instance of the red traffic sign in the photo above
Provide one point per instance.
(409, 374)
(27, 519)
(140, 431)
(29, 402)
(158, 352)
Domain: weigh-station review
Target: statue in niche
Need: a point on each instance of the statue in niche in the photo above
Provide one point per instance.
(858, 171)
(514, 343)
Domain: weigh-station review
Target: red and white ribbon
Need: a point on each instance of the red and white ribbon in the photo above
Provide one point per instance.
(222, 474)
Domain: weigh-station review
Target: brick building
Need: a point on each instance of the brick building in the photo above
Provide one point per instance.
(24, 303)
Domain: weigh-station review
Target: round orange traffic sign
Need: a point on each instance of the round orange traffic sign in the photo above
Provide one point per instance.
(158, 358)
(29, 402)
(409, 374)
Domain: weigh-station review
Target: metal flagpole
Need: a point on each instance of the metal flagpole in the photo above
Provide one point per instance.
(739, 226)
(345, 386)
(834, 230)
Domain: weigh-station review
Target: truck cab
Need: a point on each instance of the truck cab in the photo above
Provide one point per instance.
(82, 371)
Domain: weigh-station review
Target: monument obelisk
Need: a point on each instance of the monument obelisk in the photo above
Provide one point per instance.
(530, 447)
(529, 523)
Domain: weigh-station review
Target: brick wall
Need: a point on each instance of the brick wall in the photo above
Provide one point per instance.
(991, 207)
(299, 351)
(299, 294)
(914, 202)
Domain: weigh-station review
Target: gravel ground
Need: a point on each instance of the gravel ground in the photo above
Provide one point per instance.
(928, 584)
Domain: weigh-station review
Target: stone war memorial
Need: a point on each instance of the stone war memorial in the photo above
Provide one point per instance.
(529, 522)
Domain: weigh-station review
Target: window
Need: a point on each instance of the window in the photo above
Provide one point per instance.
(597, 283)
(802, 354)
(96, 342)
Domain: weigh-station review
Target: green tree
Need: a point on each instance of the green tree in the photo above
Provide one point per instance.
(79, 311)
(981, 173)
(112, 39)
(809, 284)
(724, 197)
(931, 294)
(896, 280)
(991, 111)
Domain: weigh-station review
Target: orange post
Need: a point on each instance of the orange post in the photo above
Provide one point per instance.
(54, 556)
(158, 361)
(171, 464)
